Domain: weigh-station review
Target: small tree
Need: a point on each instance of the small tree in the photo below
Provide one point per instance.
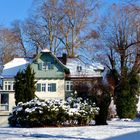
(102, 100)
(24, 85)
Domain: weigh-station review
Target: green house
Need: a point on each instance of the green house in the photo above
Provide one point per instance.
(50, 76)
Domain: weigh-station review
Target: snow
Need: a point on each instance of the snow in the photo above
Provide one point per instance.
(138, 105)
(45, 50)
(88, 70)
(17, 64)
(116, 130)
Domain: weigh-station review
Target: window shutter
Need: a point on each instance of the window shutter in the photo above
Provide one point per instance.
(40, 66)
(53, 87)
(38, 87)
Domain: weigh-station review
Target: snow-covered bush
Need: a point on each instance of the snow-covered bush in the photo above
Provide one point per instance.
(37, 113)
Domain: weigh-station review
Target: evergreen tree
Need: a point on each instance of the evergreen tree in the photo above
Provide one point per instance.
(19, 87)
(30, 84)
(127, 96)
(24, 85)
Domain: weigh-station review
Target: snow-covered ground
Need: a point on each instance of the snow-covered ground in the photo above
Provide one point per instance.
(116, 130)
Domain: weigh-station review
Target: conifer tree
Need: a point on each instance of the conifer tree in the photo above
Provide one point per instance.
(30, 84)
(24, 85)
(19, 87)
(127, 96)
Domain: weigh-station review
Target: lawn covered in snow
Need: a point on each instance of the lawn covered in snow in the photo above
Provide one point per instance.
(116, 130)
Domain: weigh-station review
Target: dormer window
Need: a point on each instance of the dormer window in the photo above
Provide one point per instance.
(79, 68)
(45, 66)
(50, 65)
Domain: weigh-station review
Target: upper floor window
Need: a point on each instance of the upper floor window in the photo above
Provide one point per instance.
(45, 66)
(8, 85)
(52, 87)
(69, 85)
(79, 68)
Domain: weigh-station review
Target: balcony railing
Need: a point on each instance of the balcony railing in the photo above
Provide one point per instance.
(4, 107)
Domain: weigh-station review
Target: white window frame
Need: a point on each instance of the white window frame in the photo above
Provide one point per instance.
(9, 85)
(42, 87)
(69, 85)
(47, 66)
(50, 87)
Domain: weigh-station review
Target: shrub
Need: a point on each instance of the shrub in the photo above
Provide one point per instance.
(37, 113)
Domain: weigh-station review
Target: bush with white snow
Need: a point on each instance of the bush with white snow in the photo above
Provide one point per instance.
(39, 113)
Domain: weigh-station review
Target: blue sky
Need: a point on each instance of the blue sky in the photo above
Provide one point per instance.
(11, 10)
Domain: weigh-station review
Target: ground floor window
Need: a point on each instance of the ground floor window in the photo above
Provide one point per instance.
(42, 87)
(69, 85)
(4, 102)
(52, 87)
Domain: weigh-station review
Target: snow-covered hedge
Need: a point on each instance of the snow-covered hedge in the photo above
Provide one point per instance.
(38, 113)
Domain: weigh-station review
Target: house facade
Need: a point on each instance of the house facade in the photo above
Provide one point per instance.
(55, 77)
(82, 76)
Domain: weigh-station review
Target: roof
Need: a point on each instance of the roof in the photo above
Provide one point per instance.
(17, 64)
(46, 50)
(49, 52)
(87, 70)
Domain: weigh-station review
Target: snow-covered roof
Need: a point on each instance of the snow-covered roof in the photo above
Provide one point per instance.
(17, 64)
(87, 70)
(45, 50)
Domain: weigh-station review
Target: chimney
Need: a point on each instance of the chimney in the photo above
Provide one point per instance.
(64, 57)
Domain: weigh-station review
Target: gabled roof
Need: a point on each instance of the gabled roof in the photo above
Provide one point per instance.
(49, 52)
(17, 64)
(88, 70)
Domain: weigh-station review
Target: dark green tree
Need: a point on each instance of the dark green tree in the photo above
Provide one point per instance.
(24, 85)
(30, 84)
(127, 96)
(19, 87)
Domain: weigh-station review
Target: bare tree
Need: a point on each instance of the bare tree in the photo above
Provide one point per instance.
(9, 45)
(121, 40)
(19, 36)
(42, 29)
(60, 24)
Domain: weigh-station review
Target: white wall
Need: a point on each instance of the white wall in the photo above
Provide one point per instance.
(60, 90)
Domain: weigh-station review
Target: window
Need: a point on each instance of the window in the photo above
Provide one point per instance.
(50, 65)
(4, 102)
(44, 87)
(41, 87)
(45, 66)
(52, 87)
(79, 68)
(9, 85)
(69, 85)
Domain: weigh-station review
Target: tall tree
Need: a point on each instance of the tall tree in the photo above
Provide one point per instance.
(19, 87)
(11, 43)
(24, 85)
(121, 48)
(30, 87)
(61, 24)
(19, 36)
